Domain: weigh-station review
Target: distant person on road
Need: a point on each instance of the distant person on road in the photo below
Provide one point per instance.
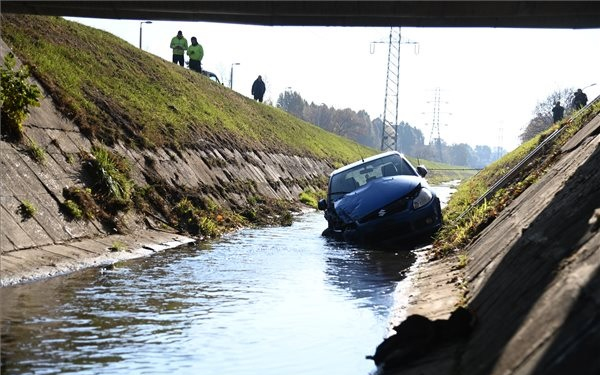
(258, 89)
(580, 99)
(557, 112)
(196, 53)
(179, 45)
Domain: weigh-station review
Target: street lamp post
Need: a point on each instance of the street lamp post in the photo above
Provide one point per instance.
(231, 75)
(141, 23)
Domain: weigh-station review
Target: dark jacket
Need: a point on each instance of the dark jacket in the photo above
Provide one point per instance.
(580, 100)
(557, 112)
(258, 88)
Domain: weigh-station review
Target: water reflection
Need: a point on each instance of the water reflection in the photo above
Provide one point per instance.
(368, 275)
(268, 301)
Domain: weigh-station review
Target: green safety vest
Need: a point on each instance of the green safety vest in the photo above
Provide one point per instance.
(195, 52)
(176, 42)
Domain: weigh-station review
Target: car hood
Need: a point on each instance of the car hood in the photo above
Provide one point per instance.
(374, 195)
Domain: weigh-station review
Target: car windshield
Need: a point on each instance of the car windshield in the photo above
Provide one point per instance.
(347, 181)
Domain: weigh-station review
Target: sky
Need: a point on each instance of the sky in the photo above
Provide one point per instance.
(489, 79)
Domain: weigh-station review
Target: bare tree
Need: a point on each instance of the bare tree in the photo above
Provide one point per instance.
(543, 113)
(563, 96)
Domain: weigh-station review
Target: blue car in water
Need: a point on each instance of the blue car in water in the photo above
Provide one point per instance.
(382, 198)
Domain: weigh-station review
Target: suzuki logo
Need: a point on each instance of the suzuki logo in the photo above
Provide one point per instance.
(382, 212)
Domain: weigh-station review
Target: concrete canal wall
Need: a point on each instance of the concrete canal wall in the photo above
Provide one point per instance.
(45, 244)
(532, 281)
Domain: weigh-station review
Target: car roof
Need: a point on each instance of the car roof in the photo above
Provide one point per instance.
(366, 160)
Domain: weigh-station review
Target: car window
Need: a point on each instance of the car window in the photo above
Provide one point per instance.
(404, 168)
(342, 184)
(347, 181)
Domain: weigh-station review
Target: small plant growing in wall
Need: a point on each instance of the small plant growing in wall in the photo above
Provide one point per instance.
(27, 209)
(117, 246)
(79, 203)
(286, 219)
(110, 176)
(463, 260)
(73, 209)
(36, 152)
(310, 197)
(209, 227)
(195, 221)
(16, 97)
(187, 216)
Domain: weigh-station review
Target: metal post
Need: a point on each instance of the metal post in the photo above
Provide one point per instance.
(141, 23)
(231, 76)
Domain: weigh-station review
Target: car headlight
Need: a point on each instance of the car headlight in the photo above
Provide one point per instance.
(422, 199)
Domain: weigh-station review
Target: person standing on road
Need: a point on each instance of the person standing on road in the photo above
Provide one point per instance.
(196, 53)
(258, 89)
(557, 112)
(580, 99)
(179, 45)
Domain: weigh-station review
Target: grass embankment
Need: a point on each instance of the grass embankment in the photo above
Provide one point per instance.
(115, 91)
(456, 234)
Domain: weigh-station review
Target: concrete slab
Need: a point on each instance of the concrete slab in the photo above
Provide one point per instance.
(18, 238)
(21, 178)
(155, 247)
(37, 135)
(593, 127)
(5, 244)
(48, 175)
(66, 252)
(64, 142)
(32, 226)
(83, 144)
(38, 263)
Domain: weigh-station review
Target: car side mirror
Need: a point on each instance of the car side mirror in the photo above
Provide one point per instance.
(322, 204)
(421, 170)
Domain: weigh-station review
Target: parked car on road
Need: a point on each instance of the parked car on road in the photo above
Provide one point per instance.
(211, 75)
(382, 198)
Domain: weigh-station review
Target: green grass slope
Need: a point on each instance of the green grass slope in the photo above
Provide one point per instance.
(115, 91)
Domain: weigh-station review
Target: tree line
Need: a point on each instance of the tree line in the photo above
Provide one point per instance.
(359, 127)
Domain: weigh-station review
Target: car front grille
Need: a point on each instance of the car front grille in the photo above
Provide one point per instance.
(392, 208)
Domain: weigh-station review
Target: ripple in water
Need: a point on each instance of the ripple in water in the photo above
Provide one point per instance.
(260, 301)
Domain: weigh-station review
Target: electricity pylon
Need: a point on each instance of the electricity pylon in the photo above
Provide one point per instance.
(392, 88)
(435, 139)
(499, 148)
(435, 124)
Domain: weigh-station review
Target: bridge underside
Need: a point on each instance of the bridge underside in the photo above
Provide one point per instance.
(508, 14)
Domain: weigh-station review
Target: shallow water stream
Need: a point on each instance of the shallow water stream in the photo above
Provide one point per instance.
(259, 301)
